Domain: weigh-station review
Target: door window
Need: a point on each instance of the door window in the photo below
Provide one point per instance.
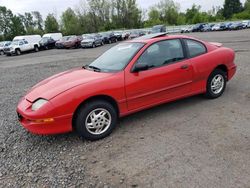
(162, 53)
(195, 48)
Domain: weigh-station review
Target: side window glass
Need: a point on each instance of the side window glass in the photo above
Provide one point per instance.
(25, 42)
(195, 48)
(162, 53)
(21, 43)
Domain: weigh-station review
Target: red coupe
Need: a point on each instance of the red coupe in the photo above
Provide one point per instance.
(129, 77)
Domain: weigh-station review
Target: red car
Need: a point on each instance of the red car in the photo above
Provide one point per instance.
(127, 78)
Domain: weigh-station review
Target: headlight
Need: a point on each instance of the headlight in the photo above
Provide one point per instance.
(38, 104)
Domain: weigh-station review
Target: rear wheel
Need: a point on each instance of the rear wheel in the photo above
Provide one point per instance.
(93, 45)
(36, 48)
(95, 120)
(216, 84)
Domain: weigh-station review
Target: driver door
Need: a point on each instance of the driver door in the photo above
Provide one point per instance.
(168, 77)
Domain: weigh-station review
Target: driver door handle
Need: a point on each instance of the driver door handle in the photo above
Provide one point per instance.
(184, 66)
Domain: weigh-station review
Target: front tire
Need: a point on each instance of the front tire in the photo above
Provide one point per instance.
(18, 52)
(95, 120)
(216, 84)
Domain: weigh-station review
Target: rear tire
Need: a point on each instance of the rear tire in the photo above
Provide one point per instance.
(216, 84)
(36, 48)
(93, 45)
(95, 120)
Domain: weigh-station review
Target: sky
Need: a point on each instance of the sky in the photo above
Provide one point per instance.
(58, 6)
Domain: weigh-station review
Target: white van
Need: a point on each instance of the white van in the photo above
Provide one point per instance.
(54, 36)
(22, 44)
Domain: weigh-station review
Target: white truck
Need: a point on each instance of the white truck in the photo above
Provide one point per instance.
(22, 44)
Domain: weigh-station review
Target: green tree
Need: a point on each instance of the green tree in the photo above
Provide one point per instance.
(16, 27)
(169, 11)
(51, 24)
(29, 23)
(5, 22)
(38, 20)
(231, 7)
(70, 23)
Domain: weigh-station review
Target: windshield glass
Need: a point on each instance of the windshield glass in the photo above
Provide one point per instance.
(44, 39)
(15, 42)
(117, 58)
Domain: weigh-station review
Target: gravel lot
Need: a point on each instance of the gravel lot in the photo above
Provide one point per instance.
(193, 142)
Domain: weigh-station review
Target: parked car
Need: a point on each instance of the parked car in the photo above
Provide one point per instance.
(108, 37)
(219, 27)
(134, 34)
(159, 29)
(228, 24)
(118, 35)
(187, 29)
(236, 26)
(127, 78)
(71, 41)
(246, 23)
(92, 41)
(198, 27)
(47, 43)
(49, 40)
(22, 44)
(206, 28)
(4, 44)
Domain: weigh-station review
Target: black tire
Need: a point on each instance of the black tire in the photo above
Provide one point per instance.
(36, 49)
(213, 94)
(17, 52)
(83, 113)
(1, 52)
(110, 41)
(93, 45)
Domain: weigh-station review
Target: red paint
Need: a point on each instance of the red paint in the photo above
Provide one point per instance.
(131, 91)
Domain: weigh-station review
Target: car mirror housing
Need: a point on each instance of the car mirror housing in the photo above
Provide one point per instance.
(140, 67)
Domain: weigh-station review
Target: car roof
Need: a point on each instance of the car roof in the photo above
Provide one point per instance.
(162, 36)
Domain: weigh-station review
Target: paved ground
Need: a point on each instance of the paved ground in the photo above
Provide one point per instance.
(193, 142)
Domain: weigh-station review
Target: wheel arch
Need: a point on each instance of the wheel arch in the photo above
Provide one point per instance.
(107, 98)
(223, 68)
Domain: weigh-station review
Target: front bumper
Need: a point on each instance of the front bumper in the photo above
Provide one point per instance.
(31, 121)
(89, 44)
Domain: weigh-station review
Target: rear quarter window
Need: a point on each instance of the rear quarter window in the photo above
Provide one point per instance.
(195, 48)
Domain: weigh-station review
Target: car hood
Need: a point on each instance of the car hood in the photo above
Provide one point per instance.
(59, 83)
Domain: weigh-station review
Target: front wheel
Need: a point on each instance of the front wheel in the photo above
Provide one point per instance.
(1, 52)
(95, 120)
(216, 84)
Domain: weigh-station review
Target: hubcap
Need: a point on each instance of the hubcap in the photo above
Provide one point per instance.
(217, 84)
(98, 121)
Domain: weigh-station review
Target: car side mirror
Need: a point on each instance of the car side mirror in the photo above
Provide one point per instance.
(140, 67)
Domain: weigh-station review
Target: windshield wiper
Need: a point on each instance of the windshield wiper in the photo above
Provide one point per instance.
(94, 68)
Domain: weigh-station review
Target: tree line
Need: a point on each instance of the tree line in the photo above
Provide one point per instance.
(102, 15)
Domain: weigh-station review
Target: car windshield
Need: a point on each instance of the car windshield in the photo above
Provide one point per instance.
(116, 58)
(88, 37)
(44, 39)
(15, 42)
